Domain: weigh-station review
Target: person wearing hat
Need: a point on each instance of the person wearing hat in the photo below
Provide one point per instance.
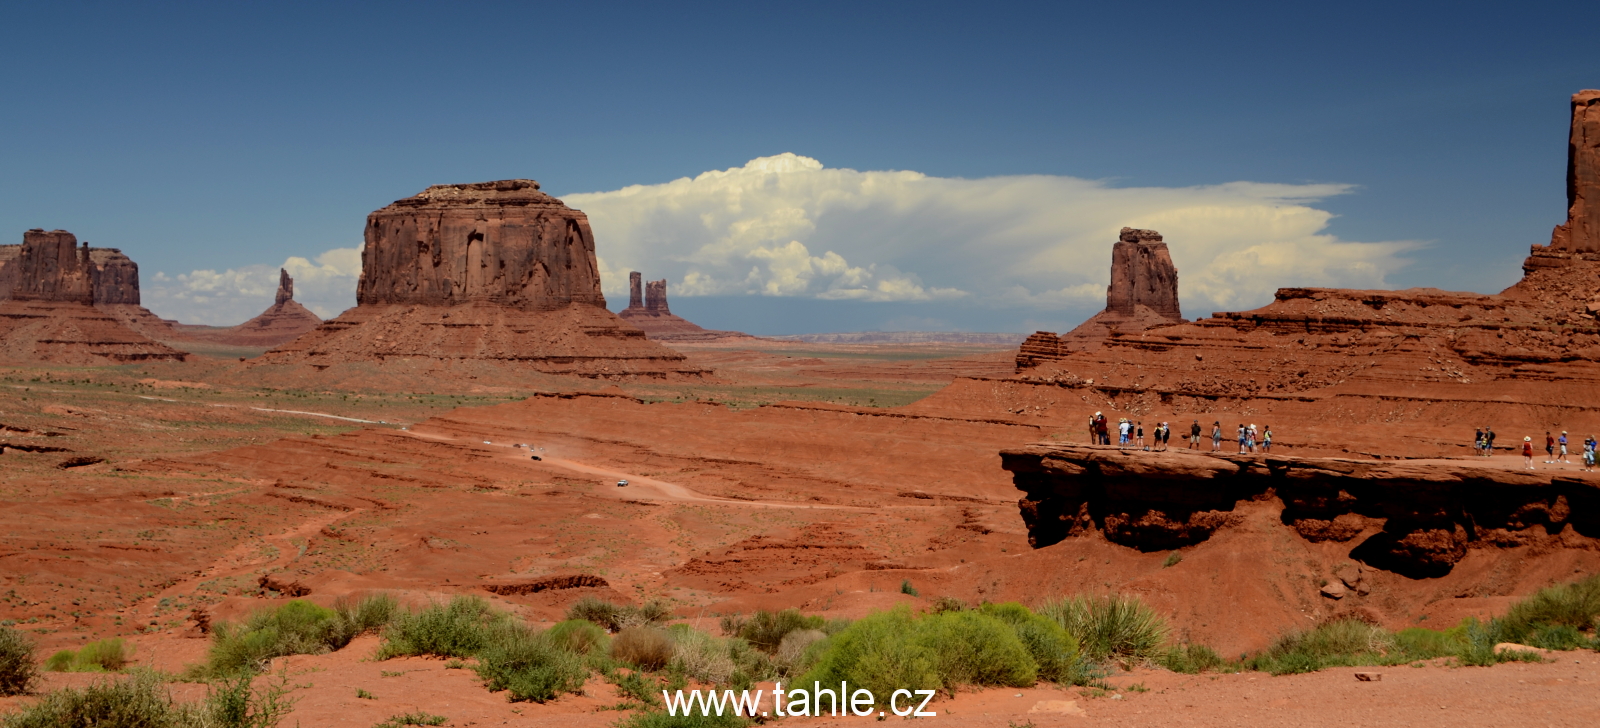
(1527, 452)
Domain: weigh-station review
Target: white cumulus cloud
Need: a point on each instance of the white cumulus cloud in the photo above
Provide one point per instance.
(327, 286)
(788, 226)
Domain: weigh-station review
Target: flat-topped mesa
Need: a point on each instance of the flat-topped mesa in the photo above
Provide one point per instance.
(501, 242)
(49, 286)
(496, 278)
(1143, 294)
(48, 266)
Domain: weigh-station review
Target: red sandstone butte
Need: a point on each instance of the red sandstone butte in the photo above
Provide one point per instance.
(1143, 294)
(652, 315)
(1581, 232)
(48, 286)
(494, 272)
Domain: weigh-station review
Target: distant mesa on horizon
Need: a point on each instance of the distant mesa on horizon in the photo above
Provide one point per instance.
(648, 310)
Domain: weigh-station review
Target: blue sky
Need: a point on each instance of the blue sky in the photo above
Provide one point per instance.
(227, 139)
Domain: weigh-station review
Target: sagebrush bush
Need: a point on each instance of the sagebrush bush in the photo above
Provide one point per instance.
(142, 701)
(701, 656)
(646, 648)
(528, 664)
(579, 636)
(1052, 647)
(616, 617)
(295, 628)
(1114, 626)
(459, 628)
(660, 719)
(795, 653)
(765, 630)
(107, 655)
(369, 614)
(18, 670)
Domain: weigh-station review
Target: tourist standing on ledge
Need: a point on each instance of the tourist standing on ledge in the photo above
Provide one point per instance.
(1527, 452)
(1216, 436)
(1194, 435)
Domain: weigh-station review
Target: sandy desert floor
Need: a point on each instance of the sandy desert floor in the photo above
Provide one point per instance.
(822, 477)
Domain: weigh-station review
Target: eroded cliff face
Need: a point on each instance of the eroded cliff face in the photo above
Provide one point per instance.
(504, 243)
(116, 277)
(1581, 232)
(48, 266)
(1415, 519)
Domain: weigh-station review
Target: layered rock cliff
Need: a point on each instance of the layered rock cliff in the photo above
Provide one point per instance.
(1416, 519)
(487, 272)
(650, 313)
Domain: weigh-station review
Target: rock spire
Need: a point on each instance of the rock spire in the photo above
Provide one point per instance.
(1143, 294)
(1581, 232)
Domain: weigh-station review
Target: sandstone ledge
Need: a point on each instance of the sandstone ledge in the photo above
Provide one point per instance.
(1416, 518)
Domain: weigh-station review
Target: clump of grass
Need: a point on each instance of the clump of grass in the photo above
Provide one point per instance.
(891, 650)
(1114, 626)
(459, 628)
(528, 665)
(1344, 642)
(369, 614)
(17, 669)
(947, 604)
(1173, 559)
(617, 617)
(142, 701)
(579, 636)
(798, 651)
(1190, 659)
(1575, 605)
(660, 719)
(107, 655)
(646, 648)
(765, 630)
(907, 588)
(404, 719)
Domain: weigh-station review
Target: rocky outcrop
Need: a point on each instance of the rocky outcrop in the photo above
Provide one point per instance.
(503, 243)
(1415, 519)
(1143, 294)
(651, 314)
(1581, 232)
(48, 286)
(488, 272)
(116, 277)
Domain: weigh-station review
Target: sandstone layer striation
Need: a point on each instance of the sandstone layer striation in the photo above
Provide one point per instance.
(490, 272)
(651, 314)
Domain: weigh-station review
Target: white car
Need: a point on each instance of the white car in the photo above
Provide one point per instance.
(622, 484)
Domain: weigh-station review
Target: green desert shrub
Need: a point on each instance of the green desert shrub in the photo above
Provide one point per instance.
(17, 669)
(1340, 643)
(1055, 651)
(579, 636)
(142, 701)
(368, 614)
(703, 657)
(1115, 626)
(660, 719)
(765, 630)
(616, 617)
(530, 665)
(295, 628)
(107, 655)
(646, 648)
(459, 628)
(891, 650)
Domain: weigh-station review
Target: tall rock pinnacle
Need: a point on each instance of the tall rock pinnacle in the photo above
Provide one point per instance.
(285, 288)
(635, 290)
(1142, 274)
(1581, 232)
